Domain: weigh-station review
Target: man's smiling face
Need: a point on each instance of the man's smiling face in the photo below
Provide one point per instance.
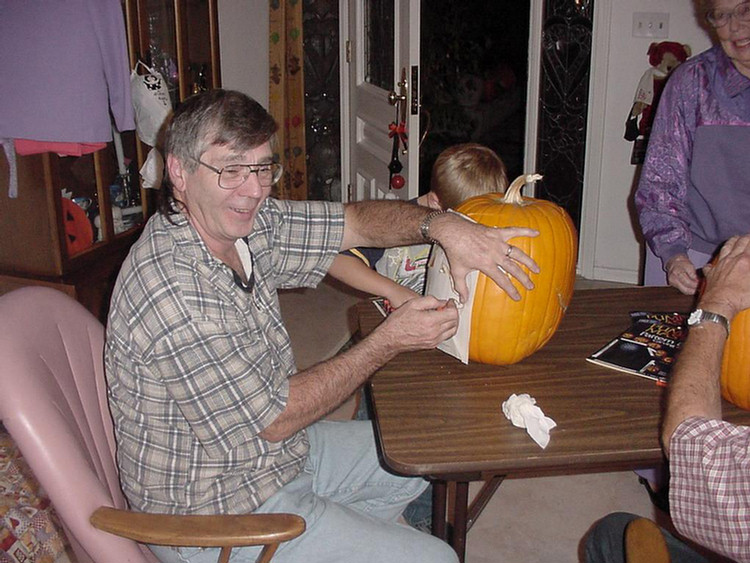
(221, 216)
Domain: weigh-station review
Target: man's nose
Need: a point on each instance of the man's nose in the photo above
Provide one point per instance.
(251, 186)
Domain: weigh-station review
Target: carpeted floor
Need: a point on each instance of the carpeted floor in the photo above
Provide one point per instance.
(539, 520)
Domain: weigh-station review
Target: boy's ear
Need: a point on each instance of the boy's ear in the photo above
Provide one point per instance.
(433, 200)
(176, 173)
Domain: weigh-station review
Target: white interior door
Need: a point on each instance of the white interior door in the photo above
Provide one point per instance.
(381, 50)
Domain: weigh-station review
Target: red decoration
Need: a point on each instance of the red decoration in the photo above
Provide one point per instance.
(397, 181)
(79, 235)
(398, 130)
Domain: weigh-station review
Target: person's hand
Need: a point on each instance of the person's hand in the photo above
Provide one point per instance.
(398, 294)
(727, 289)
(681, 274)
(471, 246)
(419, 324)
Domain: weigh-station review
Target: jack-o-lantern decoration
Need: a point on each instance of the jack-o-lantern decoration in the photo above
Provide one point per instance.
(504, 331)
(79, 235)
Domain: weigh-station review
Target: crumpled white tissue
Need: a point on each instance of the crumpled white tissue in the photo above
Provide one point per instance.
(522, 411)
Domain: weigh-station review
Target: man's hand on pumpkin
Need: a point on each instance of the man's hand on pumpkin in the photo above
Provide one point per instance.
(726, 290)
(471, 246)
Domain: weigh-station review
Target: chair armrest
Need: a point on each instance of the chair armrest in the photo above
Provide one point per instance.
(197, 530)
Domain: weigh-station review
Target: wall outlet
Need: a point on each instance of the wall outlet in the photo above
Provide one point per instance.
(650, 24)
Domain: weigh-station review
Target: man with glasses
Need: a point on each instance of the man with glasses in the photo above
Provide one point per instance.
(211, 415)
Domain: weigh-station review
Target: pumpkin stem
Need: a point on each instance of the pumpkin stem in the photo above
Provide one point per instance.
(513, 193)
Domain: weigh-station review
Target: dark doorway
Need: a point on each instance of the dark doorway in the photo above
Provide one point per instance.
(474, 69)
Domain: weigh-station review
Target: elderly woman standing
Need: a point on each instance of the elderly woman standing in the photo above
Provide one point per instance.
(694, 191)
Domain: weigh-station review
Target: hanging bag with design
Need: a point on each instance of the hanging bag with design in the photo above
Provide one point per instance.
(150, 101)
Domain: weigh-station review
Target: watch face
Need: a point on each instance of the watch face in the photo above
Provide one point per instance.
(695, 316)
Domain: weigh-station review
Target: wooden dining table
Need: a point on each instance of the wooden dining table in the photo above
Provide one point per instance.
(441, 419)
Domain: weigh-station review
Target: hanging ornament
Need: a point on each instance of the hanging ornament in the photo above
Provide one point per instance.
(397, 181)
(397, 132)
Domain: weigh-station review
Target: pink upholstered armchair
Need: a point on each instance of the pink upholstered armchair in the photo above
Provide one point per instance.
(53, 403)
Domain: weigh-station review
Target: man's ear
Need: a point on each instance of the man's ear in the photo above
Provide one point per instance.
(176, 173)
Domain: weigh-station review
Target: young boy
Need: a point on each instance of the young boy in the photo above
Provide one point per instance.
(398, 274)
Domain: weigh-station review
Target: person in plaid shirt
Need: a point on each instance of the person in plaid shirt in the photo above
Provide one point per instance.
(210, 413)
(709, 458)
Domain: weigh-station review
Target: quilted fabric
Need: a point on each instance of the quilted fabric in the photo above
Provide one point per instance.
(30, 529)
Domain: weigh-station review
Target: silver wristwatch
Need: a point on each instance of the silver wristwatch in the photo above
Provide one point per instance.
(700, 316)
(424, 226)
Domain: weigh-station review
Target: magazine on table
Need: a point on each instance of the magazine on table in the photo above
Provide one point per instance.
(648, 348)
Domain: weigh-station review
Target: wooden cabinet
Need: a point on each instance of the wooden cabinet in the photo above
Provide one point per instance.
(75, 218)
(178, 38)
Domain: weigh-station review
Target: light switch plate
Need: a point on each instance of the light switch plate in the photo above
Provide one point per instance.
(651, 24)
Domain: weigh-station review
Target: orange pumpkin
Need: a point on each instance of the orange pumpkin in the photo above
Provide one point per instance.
(735, 365)
(79, 234)
(504, 331)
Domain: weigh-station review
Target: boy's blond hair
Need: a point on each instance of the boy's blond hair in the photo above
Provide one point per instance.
(464, 171)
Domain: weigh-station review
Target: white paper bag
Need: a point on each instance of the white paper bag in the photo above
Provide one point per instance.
(439, 284)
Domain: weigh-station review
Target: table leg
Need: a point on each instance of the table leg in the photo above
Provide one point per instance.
(460, 513)
(439, 493)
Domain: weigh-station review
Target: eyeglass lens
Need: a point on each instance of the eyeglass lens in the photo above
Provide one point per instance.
(234, 175)
(719, 18)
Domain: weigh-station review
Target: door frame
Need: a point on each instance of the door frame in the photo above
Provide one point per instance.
(532, 93)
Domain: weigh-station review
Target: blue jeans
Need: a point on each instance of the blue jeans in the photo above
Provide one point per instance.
(351, 506)
(606, 542)
(419, 512)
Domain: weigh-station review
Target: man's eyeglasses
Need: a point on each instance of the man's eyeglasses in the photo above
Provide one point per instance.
(720, 18)
(234, 175)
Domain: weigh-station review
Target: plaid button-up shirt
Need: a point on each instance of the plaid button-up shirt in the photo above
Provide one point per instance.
(197, 367)
(709, 491)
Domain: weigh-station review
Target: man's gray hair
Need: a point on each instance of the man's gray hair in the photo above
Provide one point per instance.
(216, 117)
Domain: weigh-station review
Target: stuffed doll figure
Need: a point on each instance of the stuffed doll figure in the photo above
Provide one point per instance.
(664, 57)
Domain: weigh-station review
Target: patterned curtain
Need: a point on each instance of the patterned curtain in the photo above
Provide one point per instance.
(287, 95)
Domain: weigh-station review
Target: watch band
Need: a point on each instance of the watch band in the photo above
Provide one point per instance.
(424, 226)
(700, 316)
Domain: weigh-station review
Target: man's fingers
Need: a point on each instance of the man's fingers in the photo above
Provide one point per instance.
(459, 284)
(502, 278)
(518, 255)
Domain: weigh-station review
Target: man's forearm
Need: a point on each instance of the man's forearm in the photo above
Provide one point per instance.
(318, 390)
(694, 389)
(383, 223)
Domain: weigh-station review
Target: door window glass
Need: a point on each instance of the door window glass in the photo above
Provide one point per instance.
(378, 47)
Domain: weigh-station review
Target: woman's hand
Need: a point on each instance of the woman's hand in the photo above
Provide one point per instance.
(681, 273)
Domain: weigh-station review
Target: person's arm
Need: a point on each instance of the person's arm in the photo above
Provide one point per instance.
(661, 197)
(355, 273)
(708, 458)
(419, 324)
(468, 246)
(694, 389)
